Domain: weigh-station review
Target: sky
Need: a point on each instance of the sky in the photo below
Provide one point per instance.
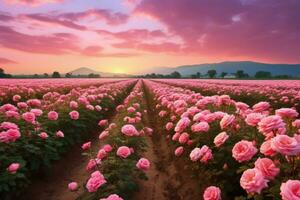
(133, 36)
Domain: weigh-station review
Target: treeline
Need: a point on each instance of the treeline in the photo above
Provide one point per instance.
(240, 74)
(55, 74)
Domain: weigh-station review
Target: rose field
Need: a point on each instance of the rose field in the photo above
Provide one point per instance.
(149, 139)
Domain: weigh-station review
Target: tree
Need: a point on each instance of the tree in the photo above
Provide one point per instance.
(68, 75)
(211, 73)
(263, 74)
(3, 74)
(94, 75)
(46, 75)
(56, 75)
(175, 74)
(223, 74)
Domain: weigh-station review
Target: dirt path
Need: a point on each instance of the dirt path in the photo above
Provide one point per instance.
(168, 178)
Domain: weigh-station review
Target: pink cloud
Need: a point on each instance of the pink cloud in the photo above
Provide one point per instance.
(266, 30)
(54, 20)
(59, 43)
(110, 17)
(32, 2)
(7, 61)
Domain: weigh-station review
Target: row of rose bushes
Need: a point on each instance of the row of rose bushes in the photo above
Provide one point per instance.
(115, 163)
(234, 150)
(37, 88)
(35, 132)
(278, 93)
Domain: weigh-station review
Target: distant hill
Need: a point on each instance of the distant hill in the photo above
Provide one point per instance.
(86, 71)
(231, 67)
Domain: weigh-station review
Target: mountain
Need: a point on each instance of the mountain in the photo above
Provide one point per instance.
(86, 71)
(231, 67)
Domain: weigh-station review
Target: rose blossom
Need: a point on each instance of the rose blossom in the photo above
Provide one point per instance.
(290, 190)
(285, 145)
(143, 164)
(13, 168)
(10, 135)
(266, 148)
(95, 182)
(287, 112)
(183, 138)
(74, 115)
(52, 115)
(86, 146)
(253, 181)
(28, 117)
(179, 151)
(200, 127)
(267, 167)
(182, 124)
(226, 121)
(112, 197)
(243, 151)
(212, 193)
(129, 130)
(43, 135)
(60, 134)
(73, 186)
(220, 139)
(253, 119)
(195, 154)
(123, 151)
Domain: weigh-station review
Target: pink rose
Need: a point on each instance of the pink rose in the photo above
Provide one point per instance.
(13, 168)
(108, 148)
(73, 186)
(91, 165)
(271, 125)
(52, 115)
(123, 152)
(183, 138)
(200, 127)
(74, 115)
(261, 106)
(86, 146)
(182, 124)
(112, 197)
(169, 126)
(243, 151)
(195, 154)
(101, 154)
(290, 190)
(227, 121)
(206, 154)
(73, 105)
(43, 135)
(95, 182)
(10, 135)
(103, 135)
(29, 117)
(60, 134)
(267, 167)
(220, 139)
(143, 164)
(287, 112)
(103, 122)
(253, 181)
(253, 119)
(179, 151)
(212, 193)
(285, 145)
(129, 130)
(266, 148)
